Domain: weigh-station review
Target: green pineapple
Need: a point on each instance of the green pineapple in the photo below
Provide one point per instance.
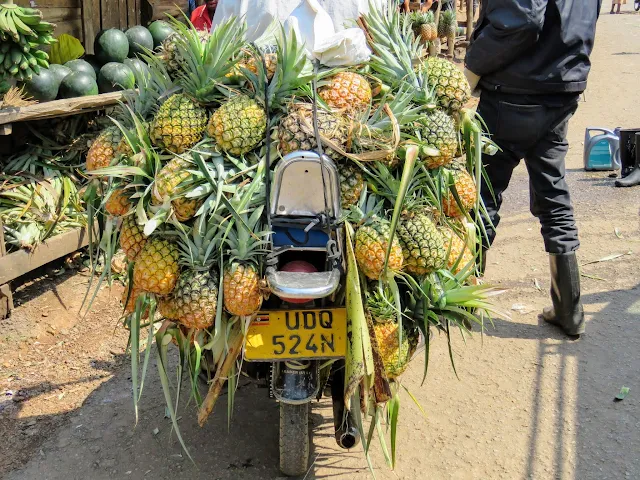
(422, 244)
(351, 184)
(436, 129)
(449, 83)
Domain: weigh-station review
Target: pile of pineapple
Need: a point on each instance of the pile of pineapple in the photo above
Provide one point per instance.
(180, 177)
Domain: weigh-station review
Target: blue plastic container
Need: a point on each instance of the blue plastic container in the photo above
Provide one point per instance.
(601, 149)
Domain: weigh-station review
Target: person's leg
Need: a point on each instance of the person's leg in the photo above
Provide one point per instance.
(551, 204)
(498, 168)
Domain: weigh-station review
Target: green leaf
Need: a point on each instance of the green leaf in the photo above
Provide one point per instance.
(66, 49)
(394, 410)
(624, 391)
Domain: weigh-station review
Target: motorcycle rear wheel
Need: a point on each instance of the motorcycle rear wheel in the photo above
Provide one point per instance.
(294, 439)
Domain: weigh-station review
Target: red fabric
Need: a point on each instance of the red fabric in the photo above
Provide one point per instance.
(201, 19)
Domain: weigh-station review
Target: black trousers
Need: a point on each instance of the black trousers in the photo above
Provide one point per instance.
(533, 128)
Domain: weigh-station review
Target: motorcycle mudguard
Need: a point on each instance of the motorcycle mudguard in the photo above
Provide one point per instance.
(295, 381)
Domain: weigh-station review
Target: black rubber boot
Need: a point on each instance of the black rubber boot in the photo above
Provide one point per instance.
(630, 166)
(567, 312)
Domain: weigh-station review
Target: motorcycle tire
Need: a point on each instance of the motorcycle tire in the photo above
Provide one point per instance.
(294, 439)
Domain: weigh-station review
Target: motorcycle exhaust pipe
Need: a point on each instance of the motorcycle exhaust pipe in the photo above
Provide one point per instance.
(346, 434)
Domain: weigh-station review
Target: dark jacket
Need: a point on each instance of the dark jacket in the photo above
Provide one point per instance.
(534, 46)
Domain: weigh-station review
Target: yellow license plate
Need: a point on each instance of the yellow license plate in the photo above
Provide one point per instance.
(297, 334)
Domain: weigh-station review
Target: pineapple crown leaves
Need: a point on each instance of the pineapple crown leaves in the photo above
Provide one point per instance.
(396, 51)
(197, 246)
(293, 71)
(207, 63)
(246, 241)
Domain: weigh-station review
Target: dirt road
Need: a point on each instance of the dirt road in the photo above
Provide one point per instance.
(529, 404)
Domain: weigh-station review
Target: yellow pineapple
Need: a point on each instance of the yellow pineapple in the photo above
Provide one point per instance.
(459, 255)
(102, 150)
(347, 91)
(156, 268)
(179, 124)
(465, 187)
(129, 298)
(132, 239)
(395, 357)
(238, 126)
(241, 277)
(118, 204)
(371, 244)
(171, 183)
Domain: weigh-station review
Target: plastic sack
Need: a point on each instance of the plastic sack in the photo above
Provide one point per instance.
(313, 25)
(322, 24)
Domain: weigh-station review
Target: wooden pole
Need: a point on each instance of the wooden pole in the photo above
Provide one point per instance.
(235, 348)
(469, 19)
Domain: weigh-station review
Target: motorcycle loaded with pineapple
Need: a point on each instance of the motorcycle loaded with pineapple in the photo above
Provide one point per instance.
(299, 224)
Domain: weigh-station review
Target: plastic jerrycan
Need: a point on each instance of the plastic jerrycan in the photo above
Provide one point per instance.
(601, 149)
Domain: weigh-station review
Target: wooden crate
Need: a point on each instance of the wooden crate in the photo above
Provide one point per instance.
(16, 264)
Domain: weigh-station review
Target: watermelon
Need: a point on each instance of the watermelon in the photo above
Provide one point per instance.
(43, 86)
(60, 71)
(81, 66)
(140, 40)
(111, 45)
(78, 84)
(114, 77)
(93, 61)
(159, 30)
(137, 66)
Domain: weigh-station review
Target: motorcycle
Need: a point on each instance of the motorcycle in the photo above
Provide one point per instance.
(299, 338)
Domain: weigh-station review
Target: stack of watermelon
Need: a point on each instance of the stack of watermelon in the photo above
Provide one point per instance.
(117, 56)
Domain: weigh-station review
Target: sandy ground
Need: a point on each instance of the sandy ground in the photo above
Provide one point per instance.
(529, 404)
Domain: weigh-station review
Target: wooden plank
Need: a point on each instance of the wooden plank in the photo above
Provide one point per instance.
(131, 13)
(122, 14)
(110, 14)
(87, 25)
(6, 298)
(18, 263)
(138, 12)
(58, 108)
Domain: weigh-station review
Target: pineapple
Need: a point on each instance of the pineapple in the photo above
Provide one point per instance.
(238, 126)
(380, 304)
(241, 278)
(424, 26)
(395, 357)
(102, 150)
(372, 241)
(118, 203)
(186, 208)
(351, 184)
(181, 121)
(179, 124)
(460, 257)
(132, 239)
(156, 268)
(348, 92)
(448, 24)
(422, 244)
(167, 307)
(438, 130)
(129, 298)
(270, 60)
(295, 131)
(467, 192)
(171, 183)
(449, 83)
(170, 54)
(195, 298)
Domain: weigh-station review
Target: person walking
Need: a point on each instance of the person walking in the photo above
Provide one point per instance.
(530, 60)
